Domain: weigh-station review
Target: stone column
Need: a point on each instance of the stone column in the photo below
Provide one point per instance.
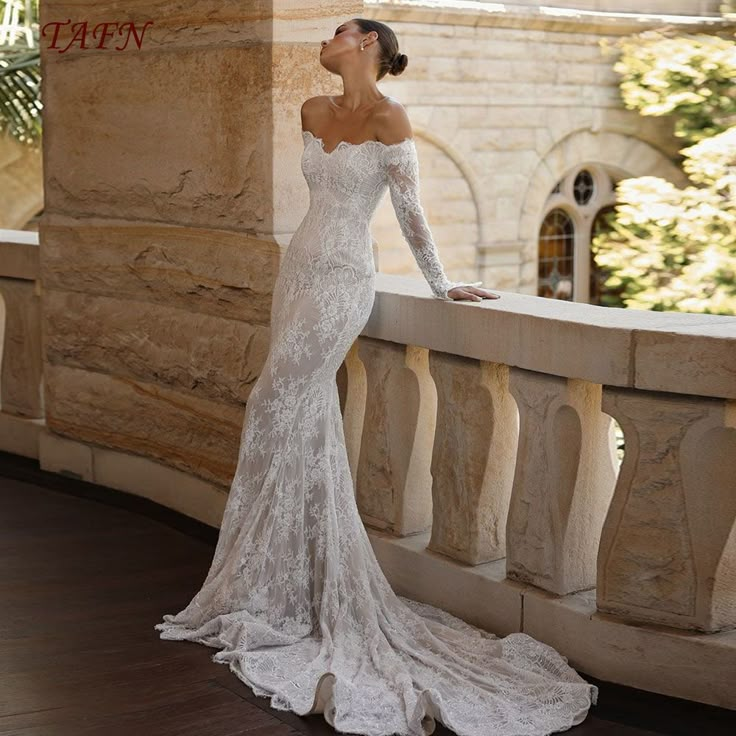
(20, 350)
(172, 186)
(393, 480)
(563, 483)
(473, 458)
(668, 547)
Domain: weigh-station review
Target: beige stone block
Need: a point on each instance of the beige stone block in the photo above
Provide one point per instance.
(681, 664)
(134, 474)
(582, 48)
(538, 190)
(19, 254)
(20, 435)
(506, 185)
(504, 139)
(586, 146)
(480, 595)
(472, 459)
(21, 392)
(64, 456)
(529, 273)
(497, 278)
(664, 359)
(563, 482)
(207, 356)
(219, 272)
(562, 120)
(580, 74)
(509, 116)
(170, 487)
(196, 435)
(21, 183)
(394, 480)
(504, 229)
(550, 336)
(531, 70)
(506, 162)
(150, 163)
(668, 546)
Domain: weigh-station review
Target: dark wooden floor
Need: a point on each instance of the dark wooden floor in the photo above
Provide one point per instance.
(85, 574)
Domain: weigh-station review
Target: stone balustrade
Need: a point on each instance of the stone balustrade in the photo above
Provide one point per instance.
(21, 392)
(481, 441)
(488, 437)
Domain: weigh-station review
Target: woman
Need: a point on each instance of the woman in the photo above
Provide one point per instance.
(295, 599)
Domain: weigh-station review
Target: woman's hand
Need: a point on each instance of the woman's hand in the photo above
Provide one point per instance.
(472, 293)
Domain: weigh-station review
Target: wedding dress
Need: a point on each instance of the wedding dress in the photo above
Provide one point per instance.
(295, 599)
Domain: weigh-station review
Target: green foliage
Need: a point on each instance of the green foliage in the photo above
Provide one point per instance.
(20, 77)
(690, 77)
(672, 249)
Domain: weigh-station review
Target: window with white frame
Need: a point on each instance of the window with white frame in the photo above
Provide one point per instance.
(574, 213)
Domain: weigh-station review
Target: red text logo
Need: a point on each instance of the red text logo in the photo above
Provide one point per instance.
(85, 37)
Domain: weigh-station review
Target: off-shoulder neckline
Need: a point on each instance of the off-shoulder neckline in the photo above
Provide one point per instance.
(380, 144)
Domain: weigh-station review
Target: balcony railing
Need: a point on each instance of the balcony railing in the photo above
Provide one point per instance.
(21, 392)
(481, 438)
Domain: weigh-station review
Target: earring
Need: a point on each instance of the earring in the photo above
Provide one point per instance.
(361, 46)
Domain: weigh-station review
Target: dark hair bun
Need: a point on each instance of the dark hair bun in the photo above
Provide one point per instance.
(398, 64)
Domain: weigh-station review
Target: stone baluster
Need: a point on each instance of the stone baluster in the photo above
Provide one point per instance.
(20, 353)
(668, 545)
(564, 479)
(393, 488)
(473, 458)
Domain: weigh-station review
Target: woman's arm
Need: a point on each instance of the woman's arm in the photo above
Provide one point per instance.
(402, 174)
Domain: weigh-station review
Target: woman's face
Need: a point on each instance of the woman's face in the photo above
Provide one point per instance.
(344, 42)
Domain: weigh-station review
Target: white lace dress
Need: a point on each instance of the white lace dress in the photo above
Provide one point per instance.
(295, 599)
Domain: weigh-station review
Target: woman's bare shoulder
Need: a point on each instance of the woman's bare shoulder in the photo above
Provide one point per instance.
(392, 122)
(312, 109)
(313, 102)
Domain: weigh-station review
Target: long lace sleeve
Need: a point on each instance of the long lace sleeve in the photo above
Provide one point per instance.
(402, 173)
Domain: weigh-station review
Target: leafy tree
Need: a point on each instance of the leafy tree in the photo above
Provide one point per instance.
(672, 249)
(690, 77)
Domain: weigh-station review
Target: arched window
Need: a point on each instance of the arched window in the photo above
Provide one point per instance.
(573, 215)
(556, 255)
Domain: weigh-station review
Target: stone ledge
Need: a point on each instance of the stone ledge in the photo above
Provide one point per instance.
(693, 666)
(20, 435)
(545, 18)
(463, 590)
(629, 348)
(134, 474)
(19, 254)
(659, 659)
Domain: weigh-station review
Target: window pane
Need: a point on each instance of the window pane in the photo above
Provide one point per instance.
(556, 251)
(583, 187)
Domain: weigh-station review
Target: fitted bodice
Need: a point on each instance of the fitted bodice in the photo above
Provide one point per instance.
(351, 179)
(346, 185)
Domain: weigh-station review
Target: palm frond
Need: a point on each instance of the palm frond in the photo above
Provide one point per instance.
(20, 96)
(20, 71)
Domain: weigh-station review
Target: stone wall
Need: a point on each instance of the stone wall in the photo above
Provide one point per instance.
(21, 183)
(669, 7)
(172, 185)
(504, 102)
